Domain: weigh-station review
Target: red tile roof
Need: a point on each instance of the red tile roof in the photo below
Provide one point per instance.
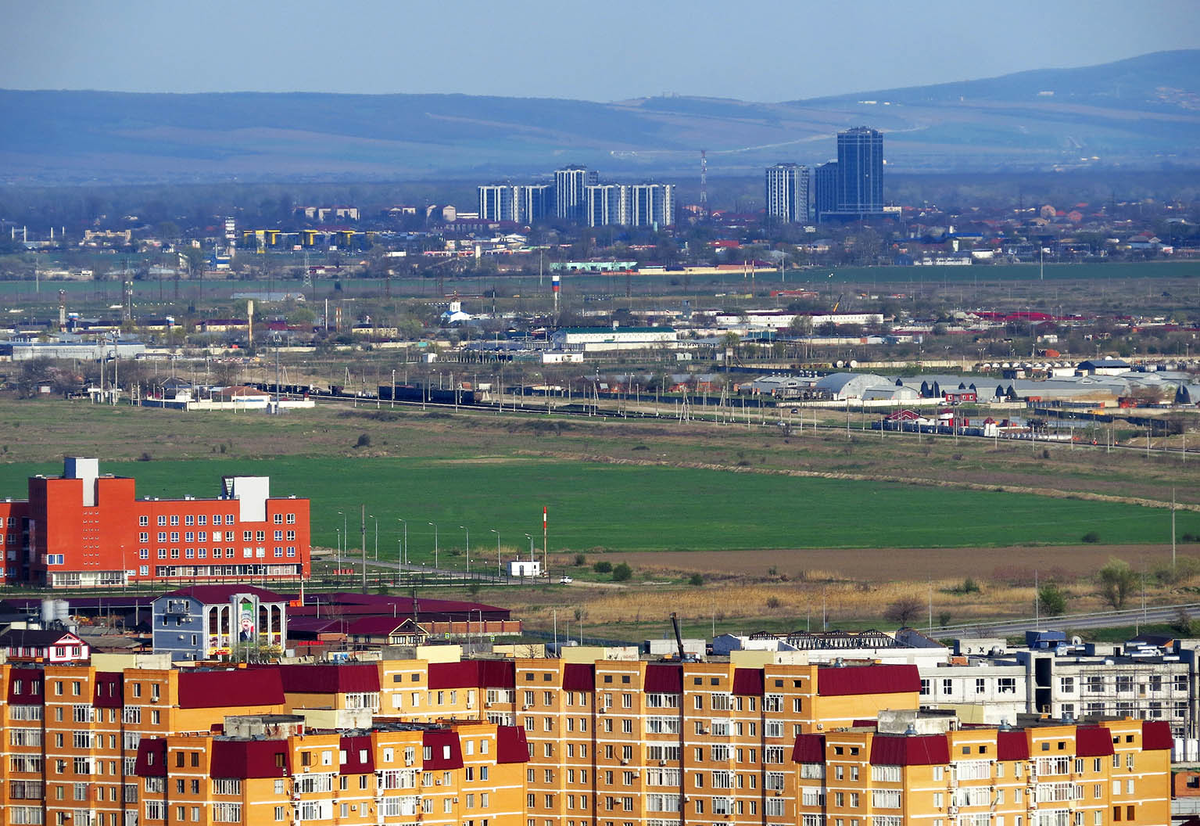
(1012, 745)
(355, 762)
(748, 681)
(579, 677)
(110, 689)
(1156, 735)
(867, 679)
(473, 674)
(328, 679)
(220, 689)
(249, 758)
(663, 679)
(25, 679)
(445, 751)
(1093, 741)
(909, 750)
(511, 745)
(151, 758)
(809, 748)
(212, 594)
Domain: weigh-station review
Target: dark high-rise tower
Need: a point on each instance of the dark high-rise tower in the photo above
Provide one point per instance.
(860, 172)
(825, 190)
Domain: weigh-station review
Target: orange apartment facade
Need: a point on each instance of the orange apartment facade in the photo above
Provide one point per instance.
(609, 743)
(87, 529)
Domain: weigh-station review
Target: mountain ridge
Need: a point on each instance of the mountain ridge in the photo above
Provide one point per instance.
(1140, 112)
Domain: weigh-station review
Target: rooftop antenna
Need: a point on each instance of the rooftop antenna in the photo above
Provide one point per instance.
(703, 183)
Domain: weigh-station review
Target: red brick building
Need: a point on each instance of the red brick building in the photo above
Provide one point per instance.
(85, 529)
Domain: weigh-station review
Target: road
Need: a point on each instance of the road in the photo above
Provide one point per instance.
(1074, 622)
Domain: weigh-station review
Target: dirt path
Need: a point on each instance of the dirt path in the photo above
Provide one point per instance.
(880, 565)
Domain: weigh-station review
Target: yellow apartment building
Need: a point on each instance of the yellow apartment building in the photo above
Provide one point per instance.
(544, 742)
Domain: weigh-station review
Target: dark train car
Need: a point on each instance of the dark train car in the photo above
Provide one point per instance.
(434, 395)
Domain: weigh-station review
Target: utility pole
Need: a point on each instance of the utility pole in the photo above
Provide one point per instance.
(1172, 529)
(363, 534)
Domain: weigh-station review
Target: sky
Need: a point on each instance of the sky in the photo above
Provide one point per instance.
(601, 51)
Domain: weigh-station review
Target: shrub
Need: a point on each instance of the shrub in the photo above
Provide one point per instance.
(602, 567)
(1184, 624)
(903, 611)
(696, 579)
(944, 619)
(1117, 581)
(580, 560)
(364, 440)
(622, 573)
(970, 586)
(1091, 537)
(1052, 600)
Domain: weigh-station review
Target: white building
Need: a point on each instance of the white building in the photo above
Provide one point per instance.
(787, 193)
(524, 567)
(597, 339)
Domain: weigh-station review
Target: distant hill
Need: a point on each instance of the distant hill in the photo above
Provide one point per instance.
(1139, 113)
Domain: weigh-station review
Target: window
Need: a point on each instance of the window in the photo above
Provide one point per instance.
(885, 798)
(885, 774)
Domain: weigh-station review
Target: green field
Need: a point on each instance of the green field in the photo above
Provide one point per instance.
(627, 508)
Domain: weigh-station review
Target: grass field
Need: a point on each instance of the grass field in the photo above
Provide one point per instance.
(771, 546)
(631, 508)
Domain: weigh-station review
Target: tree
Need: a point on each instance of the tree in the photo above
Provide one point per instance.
(903, 611)
(1052, 600)
(1117, 580)
(801, 325)
(622, 573)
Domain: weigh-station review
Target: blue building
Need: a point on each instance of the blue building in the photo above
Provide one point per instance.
(860, 172)
(207, 622)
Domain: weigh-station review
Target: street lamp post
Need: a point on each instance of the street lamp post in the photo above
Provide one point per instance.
(498, 570)
(339, 546)
(468, 532)
(404, 552)
(376, 520)
(345, 537)
(435, 547)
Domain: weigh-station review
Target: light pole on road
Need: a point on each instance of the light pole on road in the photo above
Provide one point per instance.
(464, 527)
(493, 530)
(404, 552)
(435, 547)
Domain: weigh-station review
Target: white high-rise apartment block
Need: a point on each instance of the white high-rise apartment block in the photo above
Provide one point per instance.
(787, 193)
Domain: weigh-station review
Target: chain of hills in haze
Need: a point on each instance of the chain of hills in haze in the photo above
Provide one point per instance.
(1140, 113)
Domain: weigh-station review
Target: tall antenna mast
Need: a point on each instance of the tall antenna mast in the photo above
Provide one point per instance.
(703, 183)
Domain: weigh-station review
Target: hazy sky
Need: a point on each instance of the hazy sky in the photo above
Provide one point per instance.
(607, 50)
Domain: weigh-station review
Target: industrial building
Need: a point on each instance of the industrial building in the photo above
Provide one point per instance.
(595, 339)
(86, 529)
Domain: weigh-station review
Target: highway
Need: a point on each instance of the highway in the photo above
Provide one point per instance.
(1073, 622)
